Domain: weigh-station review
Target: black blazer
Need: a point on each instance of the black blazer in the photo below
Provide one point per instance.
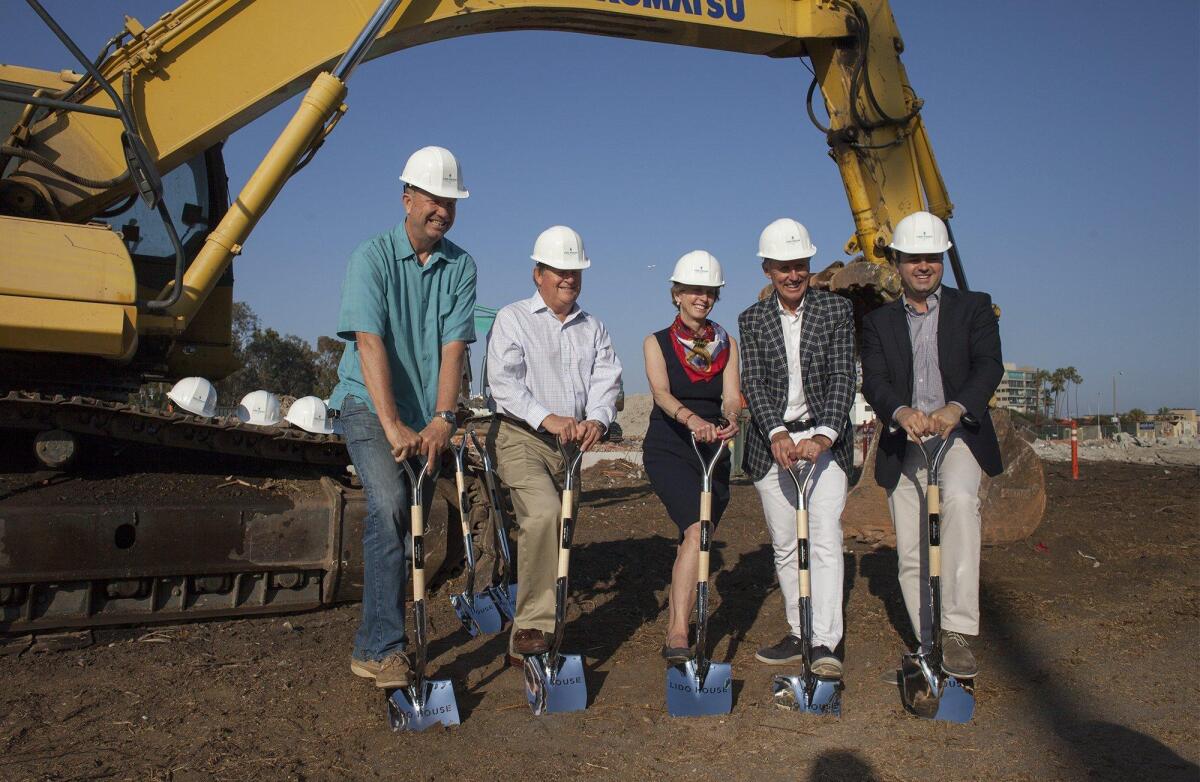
(968, 356)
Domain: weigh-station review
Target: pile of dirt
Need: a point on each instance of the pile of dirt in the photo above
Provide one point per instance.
(635, 418)
(1088, 664)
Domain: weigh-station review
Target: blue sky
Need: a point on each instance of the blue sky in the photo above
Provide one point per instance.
(1068, 134)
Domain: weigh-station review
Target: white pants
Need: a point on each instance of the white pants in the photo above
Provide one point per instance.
(959, 477)
(826, 499)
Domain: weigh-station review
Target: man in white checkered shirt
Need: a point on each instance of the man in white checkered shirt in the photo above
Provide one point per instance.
(554, 376)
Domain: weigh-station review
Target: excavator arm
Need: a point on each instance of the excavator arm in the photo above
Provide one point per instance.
(204, 70)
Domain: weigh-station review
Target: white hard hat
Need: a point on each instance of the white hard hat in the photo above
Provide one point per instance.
(195, 395)
(434, 170)
(698, 268)
(560, 247)
(310, 414)
(259, 407)
(921, 233)
(785, 240)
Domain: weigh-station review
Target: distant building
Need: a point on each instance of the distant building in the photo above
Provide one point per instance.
(1018, 391)
(1180, 422)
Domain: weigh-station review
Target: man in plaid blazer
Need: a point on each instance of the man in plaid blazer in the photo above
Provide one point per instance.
(798, 377)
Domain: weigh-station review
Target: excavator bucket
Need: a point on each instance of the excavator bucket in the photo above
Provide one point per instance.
(1011, 504)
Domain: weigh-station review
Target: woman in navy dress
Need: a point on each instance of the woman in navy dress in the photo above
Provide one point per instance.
(692, 367)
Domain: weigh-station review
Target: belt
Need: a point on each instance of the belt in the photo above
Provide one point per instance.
(800, 426)
(521, 424)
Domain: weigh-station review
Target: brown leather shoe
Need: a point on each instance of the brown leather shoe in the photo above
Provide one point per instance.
(527, 642)
(513, 661)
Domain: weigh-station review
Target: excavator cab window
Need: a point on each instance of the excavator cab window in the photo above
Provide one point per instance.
(186, 194)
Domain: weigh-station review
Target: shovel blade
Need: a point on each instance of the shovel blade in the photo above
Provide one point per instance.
(552, 691)
(478, 615)
(823, 700)
(915, 691)
(954, 703)
(420, 706)
(505, 601)
(957, 703)
(687, 696)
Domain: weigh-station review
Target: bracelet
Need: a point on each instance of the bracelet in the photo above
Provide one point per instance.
(690, 417)
(675, 417)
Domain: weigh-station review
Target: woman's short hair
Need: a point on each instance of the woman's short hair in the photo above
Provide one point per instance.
(678, 288)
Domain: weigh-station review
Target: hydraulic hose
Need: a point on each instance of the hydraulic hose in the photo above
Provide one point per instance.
(50, 165)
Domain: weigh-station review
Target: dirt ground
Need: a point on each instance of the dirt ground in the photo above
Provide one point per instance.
(1088, 659)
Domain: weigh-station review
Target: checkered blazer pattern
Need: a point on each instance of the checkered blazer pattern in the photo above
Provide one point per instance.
(827, 357)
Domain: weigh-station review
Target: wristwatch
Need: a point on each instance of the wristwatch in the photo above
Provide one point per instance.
(447, 416)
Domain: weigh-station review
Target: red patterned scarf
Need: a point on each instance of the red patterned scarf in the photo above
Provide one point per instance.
(703, 354)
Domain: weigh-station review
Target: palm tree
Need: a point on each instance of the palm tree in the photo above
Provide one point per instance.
(1073, 378)
(1058, 381)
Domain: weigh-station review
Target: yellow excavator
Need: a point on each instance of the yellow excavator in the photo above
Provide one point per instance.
(117, 237)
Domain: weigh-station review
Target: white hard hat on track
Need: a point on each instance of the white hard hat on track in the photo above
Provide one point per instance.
(310, 414)
(195, 395)
(260, 408)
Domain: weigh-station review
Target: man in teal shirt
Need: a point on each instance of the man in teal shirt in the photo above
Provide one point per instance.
(407, 306)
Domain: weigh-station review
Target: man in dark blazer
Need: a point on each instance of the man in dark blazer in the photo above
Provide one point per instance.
(928, 359)
(798, 379)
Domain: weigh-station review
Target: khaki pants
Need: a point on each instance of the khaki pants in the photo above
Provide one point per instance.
(530, 467)
(959, 477)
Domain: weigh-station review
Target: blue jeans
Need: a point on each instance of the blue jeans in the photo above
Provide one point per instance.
(386, 533)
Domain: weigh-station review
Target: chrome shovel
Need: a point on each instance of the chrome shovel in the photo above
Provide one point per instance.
(503, 594)
(476, 610)
(700, 686)
(425, 702)
(806, 692)
(926, 690)
(554, 682)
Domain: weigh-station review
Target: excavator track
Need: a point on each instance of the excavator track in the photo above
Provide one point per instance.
(81, 415)
(281, 534)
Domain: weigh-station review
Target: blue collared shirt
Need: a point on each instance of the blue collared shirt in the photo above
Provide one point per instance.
(414, 308)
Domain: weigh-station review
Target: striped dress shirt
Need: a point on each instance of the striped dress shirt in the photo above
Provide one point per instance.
(538, 365)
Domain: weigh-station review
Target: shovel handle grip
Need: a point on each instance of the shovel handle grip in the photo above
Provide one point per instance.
(933, 499)
(418, 535)
(564, 549)
(568, 503)
(705, 506)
